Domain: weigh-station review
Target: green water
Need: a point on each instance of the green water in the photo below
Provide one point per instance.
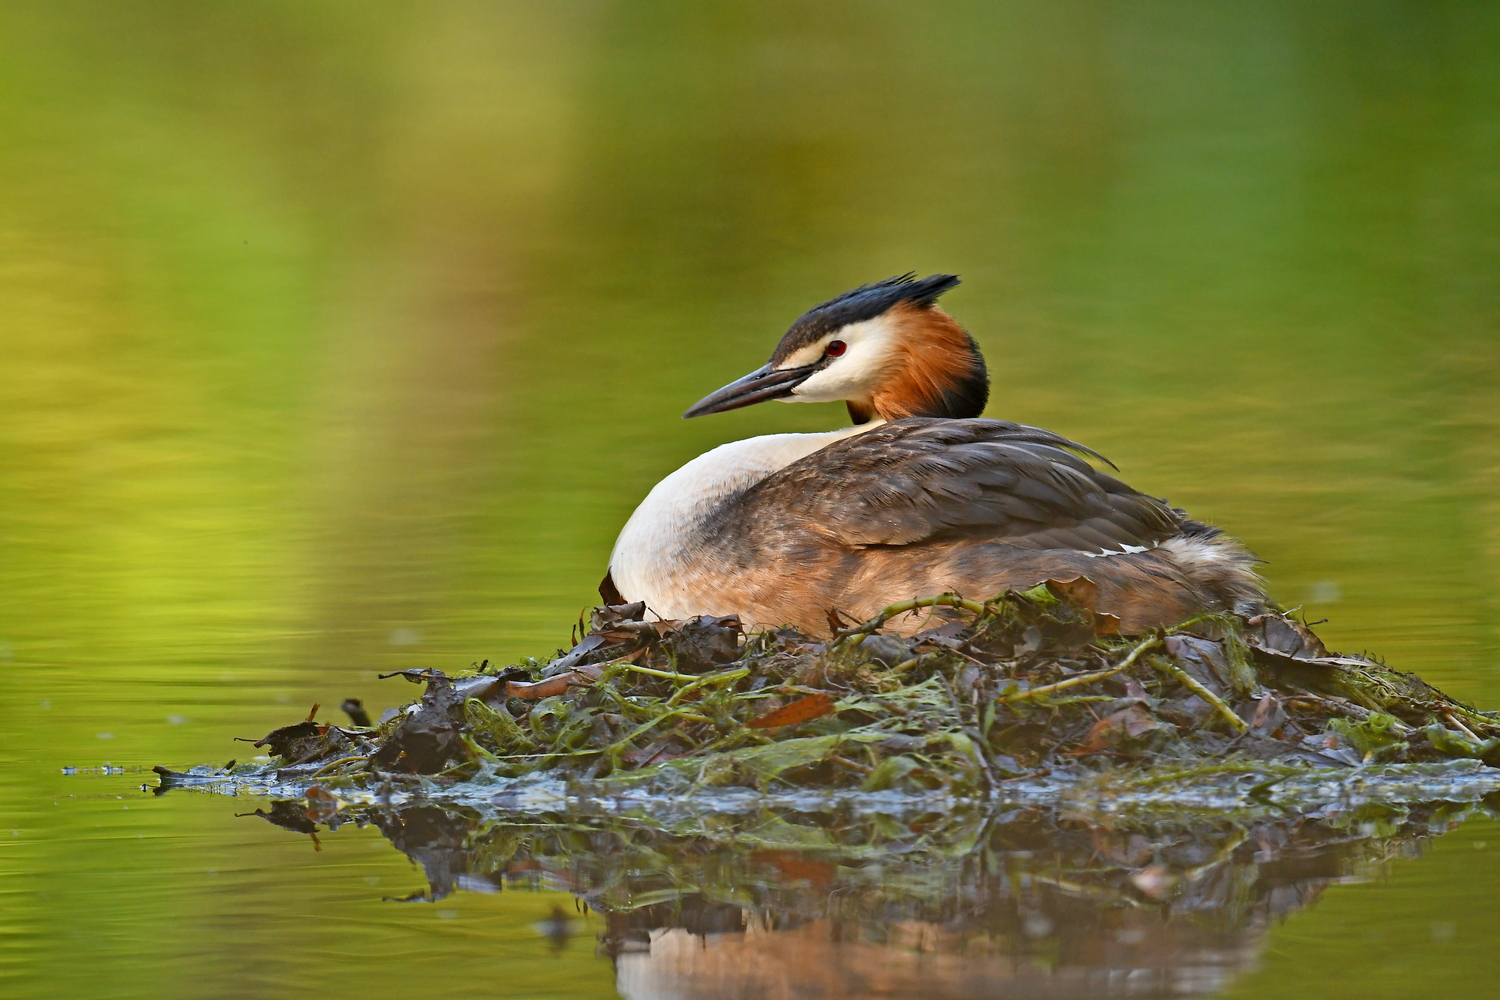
(338, 337)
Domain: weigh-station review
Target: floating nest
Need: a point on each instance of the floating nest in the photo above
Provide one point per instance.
(1026, 686)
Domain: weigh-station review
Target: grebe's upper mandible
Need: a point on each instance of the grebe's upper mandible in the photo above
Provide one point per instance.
(921, 496)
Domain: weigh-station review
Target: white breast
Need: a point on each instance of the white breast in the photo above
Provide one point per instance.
(654, 555)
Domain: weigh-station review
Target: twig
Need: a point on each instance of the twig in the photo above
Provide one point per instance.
(653, 723)
(1486, 719)
(544, 754)
(725, 677)
(653, 672)
(1187, 680)
(1462, 728)
(1075, 681)
(858, 633)
(852, 765)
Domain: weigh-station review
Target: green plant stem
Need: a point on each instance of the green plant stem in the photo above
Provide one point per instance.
(726, 677)
(1231, 767)
(333, 764)
(857, 634)
(653, 672)
(653, 723)
(1098, 675)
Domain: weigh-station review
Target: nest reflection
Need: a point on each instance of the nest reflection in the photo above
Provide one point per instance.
(1027, 903)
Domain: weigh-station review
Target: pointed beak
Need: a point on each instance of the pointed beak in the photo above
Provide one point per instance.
(757, 387)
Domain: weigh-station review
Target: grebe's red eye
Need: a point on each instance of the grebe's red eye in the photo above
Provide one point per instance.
(835, 348)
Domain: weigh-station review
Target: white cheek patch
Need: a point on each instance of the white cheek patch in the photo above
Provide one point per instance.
(856, 373)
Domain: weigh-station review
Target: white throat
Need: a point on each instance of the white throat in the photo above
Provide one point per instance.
(661, 538)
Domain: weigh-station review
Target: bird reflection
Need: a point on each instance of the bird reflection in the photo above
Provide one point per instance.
(1028, 903)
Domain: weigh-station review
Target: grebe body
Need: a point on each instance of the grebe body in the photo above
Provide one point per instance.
(921, 496)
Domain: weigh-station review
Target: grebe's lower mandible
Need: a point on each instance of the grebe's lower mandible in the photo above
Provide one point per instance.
(921, 496)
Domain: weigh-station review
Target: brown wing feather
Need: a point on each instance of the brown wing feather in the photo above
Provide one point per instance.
(924, 479)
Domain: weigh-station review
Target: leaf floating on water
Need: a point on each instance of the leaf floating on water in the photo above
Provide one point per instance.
(814, 706)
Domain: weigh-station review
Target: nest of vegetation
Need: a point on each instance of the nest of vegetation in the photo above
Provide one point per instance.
(1024, 685)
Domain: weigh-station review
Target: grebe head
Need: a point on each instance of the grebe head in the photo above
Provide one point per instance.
(886, 349)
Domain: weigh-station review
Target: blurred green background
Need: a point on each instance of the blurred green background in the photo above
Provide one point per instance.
(337, 337)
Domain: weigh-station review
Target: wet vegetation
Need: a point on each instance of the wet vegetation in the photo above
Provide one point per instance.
(1014, 785)
(1025, 687)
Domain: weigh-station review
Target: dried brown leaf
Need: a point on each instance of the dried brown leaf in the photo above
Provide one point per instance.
(812, 707)
(1079, 591)
(1133, 722)
(548, 687)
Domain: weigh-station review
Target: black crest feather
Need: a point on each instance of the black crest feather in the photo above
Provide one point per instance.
(860, 304)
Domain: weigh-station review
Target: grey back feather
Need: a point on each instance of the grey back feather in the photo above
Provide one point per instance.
(924, 479)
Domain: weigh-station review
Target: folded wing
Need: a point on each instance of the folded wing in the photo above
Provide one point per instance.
(922, 479)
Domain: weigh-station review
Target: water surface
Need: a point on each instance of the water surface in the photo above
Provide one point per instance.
(339, 338)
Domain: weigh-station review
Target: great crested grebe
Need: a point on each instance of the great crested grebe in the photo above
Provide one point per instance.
(921, 496)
